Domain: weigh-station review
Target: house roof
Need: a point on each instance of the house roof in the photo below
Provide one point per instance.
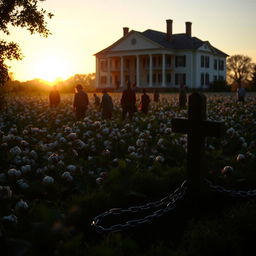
(176, 42)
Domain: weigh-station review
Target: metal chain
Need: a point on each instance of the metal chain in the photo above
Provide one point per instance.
(169, 203)
(231, 192)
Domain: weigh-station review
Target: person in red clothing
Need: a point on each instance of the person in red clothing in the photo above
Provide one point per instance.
(128, 102)
(144, 102)
(81, 102)
(54, 97)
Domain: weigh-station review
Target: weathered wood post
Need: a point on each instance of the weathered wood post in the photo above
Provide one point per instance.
(197, 128)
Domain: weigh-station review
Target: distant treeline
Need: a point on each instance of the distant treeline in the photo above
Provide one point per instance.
(64, 86)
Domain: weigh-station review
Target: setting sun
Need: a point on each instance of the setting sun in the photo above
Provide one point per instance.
(51, 68)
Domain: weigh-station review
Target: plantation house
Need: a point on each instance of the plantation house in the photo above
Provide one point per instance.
(153, 59)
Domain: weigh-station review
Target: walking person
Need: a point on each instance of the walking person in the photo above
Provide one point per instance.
(96, 100)
(144, 102)
(106, 105)
(81, 102)
(128, 102)
(241, 92)
(54, 97)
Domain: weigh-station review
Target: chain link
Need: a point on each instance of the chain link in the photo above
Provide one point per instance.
(231, 192)
(168, 203)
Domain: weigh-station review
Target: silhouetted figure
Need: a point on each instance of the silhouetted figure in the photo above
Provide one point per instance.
(182, 96)
(106, 105)
(156, 95)
(128, 102)
(144, 102)
(81, 102)
(241, 92)
(54, 97)
(96, 100)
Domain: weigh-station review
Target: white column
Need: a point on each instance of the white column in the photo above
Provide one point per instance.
(150, 70)
(163, 70)
(138, 71)
(122, 71)
(97, 72)
(108, 74)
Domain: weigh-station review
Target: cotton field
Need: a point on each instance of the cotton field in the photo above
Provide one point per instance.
(48, 158)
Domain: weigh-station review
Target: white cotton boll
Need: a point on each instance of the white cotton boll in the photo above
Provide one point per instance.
(24, 143)
(21, 205)
(15, 150)
(71, 168)
(35, 130)
(48, 180)
(62, 140)
(230, 131)
(107, 143)
(159, 159)
(22, 184)
(244, 145)
(72, 136)
(160, 141)
(134, 154)
(67, 176)
(40, 171)
(14, 173)
(99, 180)
(106, 152)
(53, 158)
(33, 154)
(25, 168)
(105, 130)
(227, 171)
(90, 158)
(79, 144)
(61, 163)
(168, 130)
(10, 218)
(240, 157)
(131, 149)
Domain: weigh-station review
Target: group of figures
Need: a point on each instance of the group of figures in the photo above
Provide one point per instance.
(105, 104)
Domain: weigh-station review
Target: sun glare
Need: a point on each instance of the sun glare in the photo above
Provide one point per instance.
(51, 68)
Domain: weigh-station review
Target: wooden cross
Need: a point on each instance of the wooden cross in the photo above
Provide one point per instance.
(197, 128)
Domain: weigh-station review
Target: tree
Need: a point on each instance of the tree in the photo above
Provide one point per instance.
(24, 14)
(253, 81)
(239, 69)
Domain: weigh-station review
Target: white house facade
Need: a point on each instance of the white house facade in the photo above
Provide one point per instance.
(153, 59)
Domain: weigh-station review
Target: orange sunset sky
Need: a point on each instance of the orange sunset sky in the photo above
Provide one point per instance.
(81, 28)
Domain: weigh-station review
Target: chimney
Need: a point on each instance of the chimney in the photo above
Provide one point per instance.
(168, 29)
(126, 31)
(188, 28)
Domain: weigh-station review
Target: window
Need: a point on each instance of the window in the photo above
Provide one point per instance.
(215, 64)
(202, 79)
(202, 61)
(180, 61)
(103, 79)
(180, 78)
(154, 78)
(205, 61)
(221, 78)
(168, 60)
(127, 64)
(221, 65)
(207, 79)
(103, 65)
(215, 78)
(168, 77)
(159, 78)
